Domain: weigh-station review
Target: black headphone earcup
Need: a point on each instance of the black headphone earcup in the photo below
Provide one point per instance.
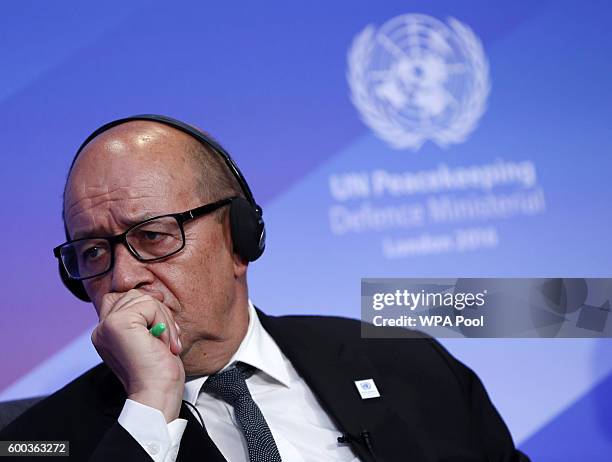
(76, 287)
(248, 229)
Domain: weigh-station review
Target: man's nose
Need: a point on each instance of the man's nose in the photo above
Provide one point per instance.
(128, 272)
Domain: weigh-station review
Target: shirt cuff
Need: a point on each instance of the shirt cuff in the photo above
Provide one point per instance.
(148, 427)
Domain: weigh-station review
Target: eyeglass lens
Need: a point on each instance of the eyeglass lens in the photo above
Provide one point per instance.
(150, 240)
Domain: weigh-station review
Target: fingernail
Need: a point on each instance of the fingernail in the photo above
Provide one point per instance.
(180, 345)
(177, 327)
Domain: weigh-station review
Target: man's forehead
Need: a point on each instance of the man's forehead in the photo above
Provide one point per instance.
(128, 180)
(86, 208)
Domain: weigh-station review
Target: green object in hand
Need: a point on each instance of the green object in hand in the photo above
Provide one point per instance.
(158, 329)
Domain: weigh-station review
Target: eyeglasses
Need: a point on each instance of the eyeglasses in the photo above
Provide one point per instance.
(149, 240)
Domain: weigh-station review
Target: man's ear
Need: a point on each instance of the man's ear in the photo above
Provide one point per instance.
(240, 265)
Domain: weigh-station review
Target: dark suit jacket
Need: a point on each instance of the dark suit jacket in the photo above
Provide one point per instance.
(432, 407)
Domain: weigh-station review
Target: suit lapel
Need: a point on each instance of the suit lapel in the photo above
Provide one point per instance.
(330, 369)
(196, 445)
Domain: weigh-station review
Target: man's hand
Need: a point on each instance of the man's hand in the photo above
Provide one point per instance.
(148, 367)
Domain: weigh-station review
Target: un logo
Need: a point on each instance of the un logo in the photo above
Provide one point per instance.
(417, 79)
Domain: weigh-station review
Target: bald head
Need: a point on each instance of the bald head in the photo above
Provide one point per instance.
(137, 155)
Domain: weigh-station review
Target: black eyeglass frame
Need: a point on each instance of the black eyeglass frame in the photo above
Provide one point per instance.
(181, 218)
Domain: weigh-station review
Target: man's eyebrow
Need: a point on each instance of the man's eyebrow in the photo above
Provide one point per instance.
(98, 231)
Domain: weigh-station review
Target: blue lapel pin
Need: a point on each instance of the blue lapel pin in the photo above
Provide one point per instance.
(367, 389)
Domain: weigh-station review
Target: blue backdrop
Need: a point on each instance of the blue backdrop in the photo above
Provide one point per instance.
(505, 115)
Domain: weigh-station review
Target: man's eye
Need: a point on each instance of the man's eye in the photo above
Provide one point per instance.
(92, 253)
(153, 236)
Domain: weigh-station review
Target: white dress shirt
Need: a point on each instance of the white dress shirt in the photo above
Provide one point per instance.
(302, 430)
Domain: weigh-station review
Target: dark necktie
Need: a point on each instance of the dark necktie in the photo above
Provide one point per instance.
(231, 386)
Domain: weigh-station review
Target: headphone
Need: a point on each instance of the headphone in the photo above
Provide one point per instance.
(246, 222)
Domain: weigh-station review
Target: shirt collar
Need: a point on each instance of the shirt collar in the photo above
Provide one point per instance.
(257, 349)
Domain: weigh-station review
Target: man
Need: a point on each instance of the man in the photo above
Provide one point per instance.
(158, 220)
